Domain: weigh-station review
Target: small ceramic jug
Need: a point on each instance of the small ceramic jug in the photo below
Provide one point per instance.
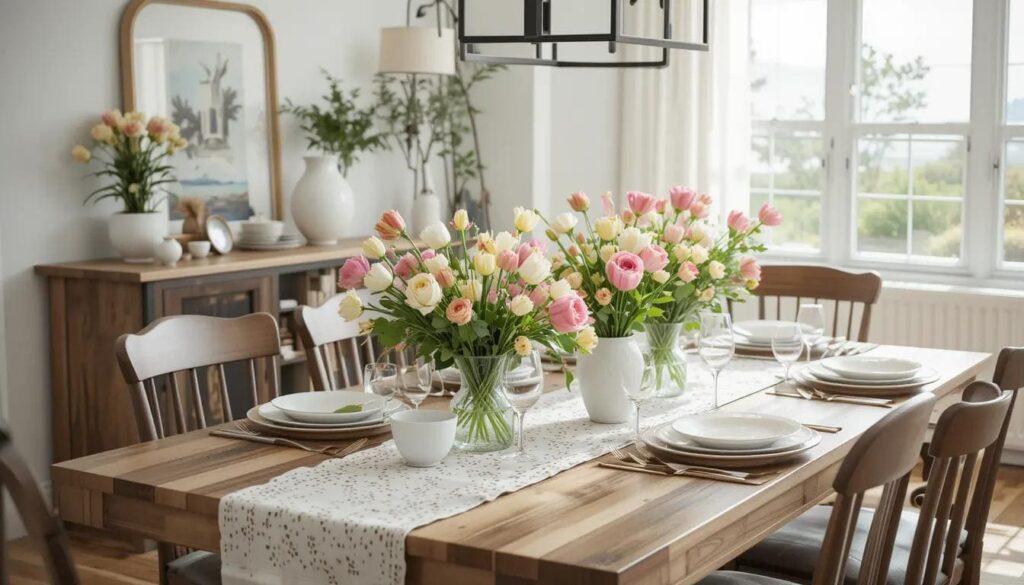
(168, 252)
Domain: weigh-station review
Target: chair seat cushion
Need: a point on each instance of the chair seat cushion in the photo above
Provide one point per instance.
(738, 578)
(792, 552)
(195, 568)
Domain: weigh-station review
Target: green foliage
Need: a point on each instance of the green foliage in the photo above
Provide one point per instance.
(137, 167)
(341, 126)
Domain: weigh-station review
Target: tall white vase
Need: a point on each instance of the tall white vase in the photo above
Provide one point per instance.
(615, 363)
(426, 210)
(136, 235)
(322, 202)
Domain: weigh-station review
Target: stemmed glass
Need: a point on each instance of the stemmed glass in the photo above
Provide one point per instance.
(522, 385)
(416, 379)
(811, 319)
(381, 379)
(639, 393)
(715, 344)
(787, 345)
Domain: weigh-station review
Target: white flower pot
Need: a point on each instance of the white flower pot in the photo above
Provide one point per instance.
(615, 363)
(136, 235)
(426, 210)
(322, 202)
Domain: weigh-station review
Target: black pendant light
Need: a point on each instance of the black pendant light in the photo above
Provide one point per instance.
(537, 31)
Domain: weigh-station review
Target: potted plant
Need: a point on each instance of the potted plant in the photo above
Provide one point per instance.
(474, 307)
(341, 129)
(132, 151)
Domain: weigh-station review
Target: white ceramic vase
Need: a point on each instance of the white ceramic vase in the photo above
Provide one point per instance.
(322, 202)
(136, 235)
(168, 252)
(426, 210)
(615, 362)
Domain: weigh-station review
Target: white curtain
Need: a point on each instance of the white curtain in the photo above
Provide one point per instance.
(689, 124)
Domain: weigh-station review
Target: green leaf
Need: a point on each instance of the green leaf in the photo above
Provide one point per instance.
(568, 380)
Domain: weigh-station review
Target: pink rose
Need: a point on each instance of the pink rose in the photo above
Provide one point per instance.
(698, 209)
(681, 197)
(460, 311)
(352, 273)
(654, 258)
(390, 225)
(738, 221)
(569, 314)
(579, 201)
(508, 260)
(769, 215)
(640, 203)
(625, 270)
(749, 268)
(157, 126)
(132, 129)
(673, 233)
(688, 272)
(407, 265)
(539, 295)
(445, 277)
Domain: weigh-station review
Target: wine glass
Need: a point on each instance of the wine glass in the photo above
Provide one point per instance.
(715, 343)
(640, 392)
(416, 379)
(787, 345)
(811, 319)
(522, 385)
(381, 379)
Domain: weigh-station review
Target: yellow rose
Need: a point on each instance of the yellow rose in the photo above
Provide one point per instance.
(523, 346)
(461, 220)
(485, 263)
(351, 306)
(608, 228)
(525, 219)
(81, 154)
(521, 305)
(586, 339)
(373, 248)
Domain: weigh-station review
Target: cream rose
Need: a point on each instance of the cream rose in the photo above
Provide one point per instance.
(523, 346)
(423, 293)
(716, 269)
(698, 254)
(351, 306)
(520, 305)
(707, 294)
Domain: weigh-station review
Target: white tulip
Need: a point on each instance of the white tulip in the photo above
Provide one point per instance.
(633, 240)
(373, 248)
(472, 289)
(436, 235)
(560, 288)
(698, 254)
(436, 264)
(535, 269)
(351, 306)
(564, 222)
(525, 219)
(378, 278)
(716, 269)
(505, 241)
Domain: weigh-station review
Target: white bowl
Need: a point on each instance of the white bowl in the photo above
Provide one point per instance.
(319, 407)
(199, 248)
(863, 367)
(735, 430)
(761, 332)
(262, 229)
(423, 437)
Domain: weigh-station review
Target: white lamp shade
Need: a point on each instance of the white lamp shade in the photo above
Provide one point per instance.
(417, 49)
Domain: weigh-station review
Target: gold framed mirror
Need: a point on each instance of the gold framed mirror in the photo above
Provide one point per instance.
(209, 67)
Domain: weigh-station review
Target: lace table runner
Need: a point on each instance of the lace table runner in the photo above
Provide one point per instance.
(345, 520)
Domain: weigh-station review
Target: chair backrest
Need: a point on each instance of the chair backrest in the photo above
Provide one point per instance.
(46, 530)
(183, 345)
(818, 283)
(335, 351)
(964, 431)
(883, 456)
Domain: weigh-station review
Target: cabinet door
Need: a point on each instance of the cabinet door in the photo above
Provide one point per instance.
(222, 297)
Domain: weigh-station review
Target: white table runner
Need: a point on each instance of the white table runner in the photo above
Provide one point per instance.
(345, 520)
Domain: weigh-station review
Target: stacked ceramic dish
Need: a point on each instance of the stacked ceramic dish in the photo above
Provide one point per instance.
(755, 337)
(862, 375)
(266, 235)
(339, 414)
(731, 440)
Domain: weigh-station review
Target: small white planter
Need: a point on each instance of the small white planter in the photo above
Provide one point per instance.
(615, 363)
(322, 202)
(136, 235)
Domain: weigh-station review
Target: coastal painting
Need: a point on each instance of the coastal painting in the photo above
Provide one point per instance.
(204, 87)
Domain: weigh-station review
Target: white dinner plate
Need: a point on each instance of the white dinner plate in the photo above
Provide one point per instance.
(822, 373)
(735, 430)
(678, 441)
(275, 414)
(319, 407)
(926, 376)
(726, 460)
(760, 332)
(865, 367)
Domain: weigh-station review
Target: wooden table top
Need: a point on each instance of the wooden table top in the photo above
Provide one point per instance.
(585, 525)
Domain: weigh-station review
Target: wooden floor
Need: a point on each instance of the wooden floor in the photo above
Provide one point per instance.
(104, 561)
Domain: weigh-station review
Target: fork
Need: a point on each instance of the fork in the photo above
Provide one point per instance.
(679, 468)
(244, 430)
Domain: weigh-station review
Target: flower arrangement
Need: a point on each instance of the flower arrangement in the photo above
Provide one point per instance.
(132, 150)
(473, 305)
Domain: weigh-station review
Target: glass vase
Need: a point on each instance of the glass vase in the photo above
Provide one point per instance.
(667, 357)
(484, 415)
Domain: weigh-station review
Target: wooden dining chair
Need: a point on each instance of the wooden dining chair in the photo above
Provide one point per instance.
(883, 456)
(40, 524)
(336, 352)
(816, 284)
(926, 548)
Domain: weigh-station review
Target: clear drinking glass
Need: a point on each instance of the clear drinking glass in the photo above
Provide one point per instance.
(522, 385)
(811, 319)
(787, 345)
(639, 393)
(715, 345)
(381, 379)
(415, 380)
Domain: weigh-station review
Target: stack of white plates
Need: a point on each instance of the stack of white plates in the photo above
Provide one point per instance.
(861, 375)
(314, 414)
(285, 242)
(757, 336)
(731, 439)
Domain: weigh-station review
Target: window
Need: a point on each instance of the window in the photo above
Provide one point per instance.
(1012, 141)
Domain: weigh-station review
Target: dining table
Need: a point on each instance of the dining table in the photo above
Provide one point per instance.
(590, 524)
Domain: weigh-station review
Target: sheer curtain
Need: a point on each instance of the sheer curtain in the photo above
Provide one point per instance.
(689, 124)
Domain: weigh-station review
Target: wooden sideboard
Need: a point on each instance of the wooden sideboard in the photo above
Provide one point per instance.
(93, 302)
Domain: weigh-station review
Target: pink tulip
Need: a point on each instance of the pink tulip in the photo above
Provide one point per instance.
(539, 295)
(607, 205)
(738, 221)
(688, 272)
(407, 266)
(390, 225)
(660, 205)
(625, 270)
(460, 311)
(769, 215)
(508, 260)
(628, 217)
(673, 233)
(445, 277)
(749, 268)
(352, 273)
(681, 197)
(569, 314)
(579, 201)
(428, 254)
(640, 203)
(698, 210)
(492, 297)
(654, 258)
(515, 289)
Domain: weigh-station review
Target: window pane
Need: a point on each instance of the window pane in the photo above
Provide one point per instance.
(1015, 64)
(1014, 179)
(798, 162)
(936, 229)
(1013, 192)
(915, 61)
(882, 225)
(938, 167)
(802, 227)
(760, 162)
(787, 71)
(786, 171)
(1013, 233)
(882, 165)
